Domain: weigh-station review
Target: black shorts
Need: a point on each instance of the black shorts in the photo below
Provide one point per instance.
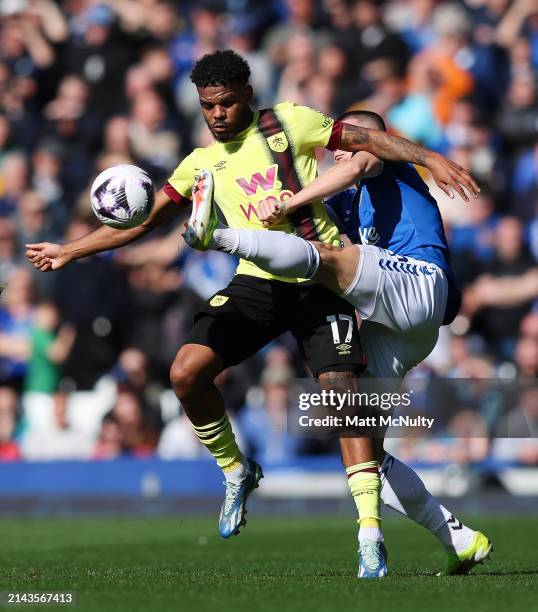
(250, 312)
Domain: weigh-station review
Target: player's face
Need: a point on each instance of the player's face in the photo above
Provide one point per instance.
(226, 109)
(340, 156)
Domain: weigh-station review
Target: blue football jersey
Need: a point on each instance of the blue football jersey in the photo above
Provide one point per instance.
(394, 211)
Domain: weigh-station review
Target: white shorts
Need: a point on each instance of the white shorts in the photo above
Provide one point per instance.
(402, 303)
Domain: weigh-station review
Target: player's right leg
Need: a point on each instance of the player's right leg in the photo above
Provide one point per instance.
(344, 271)
(403, 491)
(362, 470)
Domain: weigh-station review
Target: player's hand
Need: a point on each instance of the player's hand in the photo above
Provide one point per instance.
(271, 211)
(46, 256)
(451, 177)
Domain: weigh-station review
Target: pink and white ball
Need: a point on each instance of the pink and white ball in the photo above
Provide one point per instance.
(122, 196)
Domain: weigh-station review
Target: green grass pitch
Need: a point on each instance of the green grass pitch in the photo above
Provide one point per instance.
(274, 564)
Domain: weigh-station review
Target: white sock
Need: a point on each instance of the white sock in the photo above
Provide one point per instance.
(236, 475)
(275, 252)
(370, 533)
(224, 239)
(403, 491)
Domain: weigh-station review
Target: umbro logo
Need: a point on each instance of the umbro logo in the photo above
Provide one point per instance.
(343, 349)
(221, 165)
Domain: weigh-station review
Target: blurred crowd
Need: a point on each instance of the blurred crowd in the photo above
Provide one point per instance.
(86, 84)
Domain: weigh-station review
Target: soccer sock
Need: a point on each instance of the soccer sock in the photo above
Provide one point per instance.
(219, 439)
(403, 491)
(276, 252)
(365, 485)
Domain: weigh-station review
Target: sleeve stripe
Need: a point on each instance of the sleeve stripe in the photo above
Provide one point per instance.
(336, 136)
(175, 196)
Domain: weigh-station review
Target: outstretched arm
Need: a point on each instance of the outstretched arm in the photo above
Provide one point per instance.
(46, 256)
(338, 177)
(447, 174)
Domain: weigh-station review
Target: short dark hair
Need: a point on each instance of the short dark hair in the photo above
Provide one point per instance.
(373, 119)
(220, 68)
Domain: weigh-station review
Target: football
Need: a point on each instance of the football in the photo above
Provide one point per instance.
(122, 196)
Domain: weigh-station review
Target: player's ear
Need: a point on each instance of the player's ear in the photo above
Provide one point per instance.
(248, 92)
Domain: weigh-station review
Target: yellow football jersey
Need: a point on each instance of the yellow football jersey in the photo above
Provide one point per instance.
(273, 157)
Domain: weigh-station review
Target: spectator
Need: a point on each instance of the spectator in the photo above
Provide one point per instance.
(96, 308)
(49, 347)
(370, 39)
(138, 437)
(335, 64)
(203, 37)
(117, 144)
(15, 327)
(301, 19)
(263, 419)
(15, 179)
(153, 138)
(35, 221)
(408, 107)
(100, 54)
(156, 61)
(447, 59)
(75, 126)
(300, 67)
(8, 250)
(134, 373)
(518, 120)
(414, 21)
(473, 243)
(500, 323)
(526, 357)
(5, 137)
(110, 443)
(516, 21)
(46, 177)
(520, 423)
(9, 449)
(524, 185)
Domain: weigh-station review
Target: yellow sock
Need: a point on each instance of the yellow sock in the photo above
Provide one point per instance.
(365, 485)
(219, 439)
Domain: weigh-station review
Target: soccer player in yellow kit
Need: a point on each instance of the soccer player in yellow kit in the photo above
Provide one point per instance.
(256, 155)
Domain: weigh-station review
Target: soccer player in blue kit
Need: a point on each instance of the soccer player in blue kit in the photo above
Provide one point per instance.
(398, 277)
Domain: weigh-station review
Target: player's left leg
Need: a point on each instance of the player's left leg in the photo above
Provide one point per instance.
(358, 456)
(326, 330)
(401, 487)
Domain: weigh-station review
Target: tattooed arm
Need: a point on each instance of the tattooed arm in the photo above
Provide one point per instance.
(447, 174)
